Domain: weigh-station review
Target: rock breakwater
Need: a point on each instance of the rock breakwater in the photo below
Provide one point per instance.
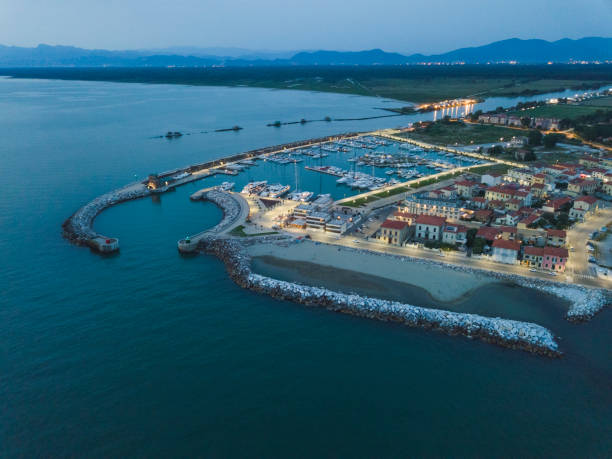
(508, 333)
(79, 227)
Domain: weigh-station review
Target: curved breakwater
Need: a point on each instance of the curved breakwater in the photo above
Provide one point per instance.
(78, 228)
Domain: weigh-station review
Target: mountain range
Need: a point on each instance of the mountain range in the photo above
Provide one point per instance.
(531, 51)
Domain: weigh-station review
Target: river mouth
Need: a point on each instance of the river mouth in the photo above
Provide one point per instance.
(492, 299)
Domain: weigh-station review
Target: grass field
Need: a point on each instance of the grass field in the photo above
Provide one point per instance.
(603, 102)
(407, 83)
(462, 134)
(559, 111)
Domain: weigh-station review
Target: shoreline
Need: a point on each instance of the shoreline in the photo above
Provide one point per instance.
(512, 334)
(584, 302)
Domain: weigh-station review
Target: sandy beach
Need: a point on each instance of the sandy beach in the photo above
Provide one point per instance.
(442, 284)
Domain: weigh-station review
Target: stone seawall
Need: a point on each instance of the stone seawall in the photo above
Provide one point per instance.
(508, 333)
(78, 229)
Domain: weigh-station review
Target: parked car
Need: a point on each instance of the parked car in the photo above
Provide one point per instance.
(592, 259)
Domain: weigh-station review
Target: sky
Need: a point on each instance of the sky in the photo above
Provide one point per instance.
(407, 26)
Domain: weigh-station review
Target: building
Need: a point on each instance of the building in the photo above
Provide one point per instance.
(339, 223)
(521, 176)
(489, 233)
(583, 207)
(491, 179)
(392, 232)
(549, 258)
(505, 251)
(105, 244)
(449, 209)
(404, 217)
(555, 237)
(607, 188)
(505, 193)
(582, 186)
(454, 234)
(554, 206)
(317, 220)
(429, 227)
(466, 188)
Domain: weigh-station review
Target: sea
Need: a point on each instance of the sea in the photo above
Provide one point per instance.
(147, 353)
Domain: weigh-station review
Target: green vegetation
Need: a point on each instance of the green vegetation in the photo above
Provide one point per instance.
(495, 168)
(393, 192)
(408, 83)
(561, 111)
(443, 246)
(239, 232)
(431, 181)
(457, 132)
(361, 201)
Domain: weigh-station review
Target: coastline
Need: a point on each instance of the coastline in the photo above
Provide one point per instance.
(503, 332)
(433, 279)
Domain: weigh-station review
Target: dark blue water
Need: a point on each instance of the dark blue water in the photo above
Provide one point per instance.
(148, 353)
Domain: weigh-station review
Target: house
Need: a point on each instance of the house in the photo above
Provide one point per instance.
(555, 237)
(583, 206)
(549, 258)
(505, 193)
(505, 251)
(525, 222)
(483, 216)
(429, 227)
(479, 202)
(607, 188)
(454, 234)
(509, 219)
(521, 176)
(507, 233)
(489, 233)
(393, 232)
(513, 204)
(404, 217)
(554, 206)
(466, 188)
(580, 186)
(538, 190)
(491, 179)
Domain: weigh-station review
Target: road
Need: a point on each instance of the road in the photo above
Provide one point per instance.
(578, 265)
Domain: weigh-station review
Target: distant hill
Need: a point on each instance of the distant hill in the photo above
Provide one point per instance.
(522, 51)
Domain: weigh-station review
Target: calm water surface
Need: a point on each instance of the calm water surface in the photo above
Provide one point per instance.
(147, 353)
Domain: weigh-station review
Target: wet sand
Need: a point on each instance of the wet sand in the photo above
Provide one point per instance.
(493, 300)
(443, 285)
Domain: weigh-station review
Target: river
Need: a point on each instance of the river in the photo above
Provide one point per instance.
(147, 353)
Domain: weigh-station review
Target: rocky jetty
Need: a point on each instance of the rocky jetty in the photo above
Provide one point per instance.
(508, 333)
(228, 204)
(585, 302)
(79, 227)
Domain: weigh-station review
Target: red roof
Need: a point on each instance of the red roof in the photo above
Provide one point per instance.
(536, 251)
(508, 245)
(530, 219)
(555, 252)
(455, 229)
(587, 199)
(488, 232)
(394, 224)
(555, 233)
(557, 203)
(430, 220)
(479, 199)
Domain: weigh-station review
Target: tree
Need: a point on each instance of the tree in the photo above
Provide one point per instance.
(478, 245)
(474, 116)
(470, 236)
(525, 121)
(535, 137)
(495, 150)
(530, 156)
(550, 140)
